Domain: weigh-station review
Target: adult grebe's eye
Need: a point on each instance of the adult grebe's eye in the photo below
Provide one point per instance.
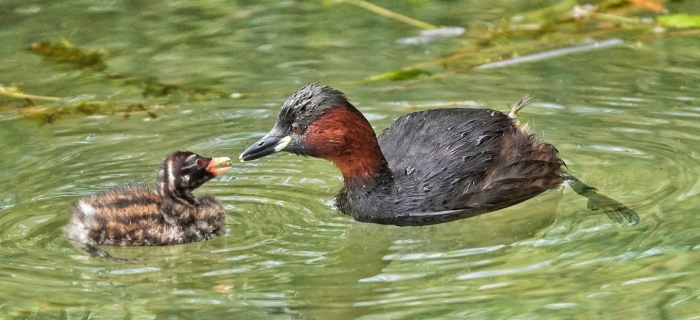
(296, 127)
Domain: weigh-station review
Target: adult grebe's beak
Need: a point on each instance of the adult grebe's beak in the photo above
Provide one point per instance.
(268, 145)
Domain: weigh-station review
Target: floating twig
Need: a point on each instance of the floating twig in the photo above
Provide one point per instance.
(389, 14)
(16, 92)
(551, 54)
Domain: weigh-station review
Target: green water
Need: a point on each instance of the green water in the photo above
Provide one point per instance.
(625, 119)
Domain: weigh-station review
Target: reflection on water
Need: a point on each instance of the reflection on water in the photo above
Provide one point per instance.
(627, 126)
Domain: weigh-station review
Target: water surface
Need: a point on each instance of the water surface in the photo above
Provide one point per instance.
(624, 119)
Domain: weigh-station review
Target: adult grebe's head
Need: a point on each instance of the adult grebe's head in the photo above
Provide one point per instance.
(319, 121)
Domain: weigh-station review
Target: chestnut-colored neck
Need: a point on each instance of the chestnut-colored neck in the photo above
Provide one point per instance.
(343, 136)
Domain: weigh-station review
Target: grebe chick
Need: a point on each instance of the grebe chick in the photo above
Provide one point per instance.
(134, 215)
(429, 167)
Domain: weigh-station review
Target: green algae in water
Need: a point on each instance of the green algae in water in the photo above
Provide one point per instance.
(63, 51)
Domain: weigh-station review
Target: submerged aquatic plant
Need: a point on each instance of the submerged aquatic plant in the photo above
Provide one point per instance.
(55, 108)
(48, 109)
(63, 51)
(565, 27)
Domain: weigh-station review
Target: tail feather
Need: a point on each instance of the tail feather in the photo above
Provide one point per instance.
(615, 210)
(516, 108)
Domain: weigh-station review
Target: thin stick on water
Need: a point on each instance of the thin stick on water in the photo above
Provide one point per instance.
(14, 92)
(390, 14)
(551, 54)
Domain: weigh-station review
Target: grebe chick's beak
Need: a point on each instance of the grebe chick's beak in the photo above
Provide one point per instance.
(268, 145)
(219, 165)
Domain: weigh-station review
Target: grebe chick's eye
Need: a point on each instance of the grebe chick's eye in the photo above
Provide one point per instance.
(296, 127)
(201, 163)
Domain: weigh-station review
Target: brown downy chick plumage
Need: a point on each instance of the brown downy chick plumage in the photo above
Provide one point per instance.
(134, 215)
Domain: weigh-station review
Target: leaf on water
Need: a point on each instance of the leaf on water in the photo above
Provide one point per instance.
(65, 52)
(679, 21)
(396, 75)
(651, 5)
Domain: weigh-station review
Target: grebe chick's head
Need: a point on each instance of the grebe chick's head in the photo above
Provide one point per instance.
(319, 121)
(183, 171)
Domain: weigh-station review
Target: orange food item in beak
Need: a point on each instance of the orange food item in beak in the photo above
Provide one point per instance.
(219, 165)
